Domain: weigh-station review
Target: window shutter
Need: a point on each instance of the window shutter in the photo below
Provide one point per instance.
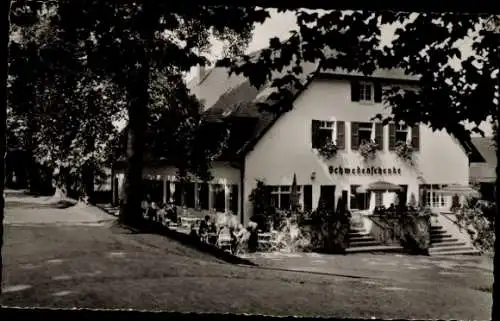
(415, 137)
(307, 197)
(315, 139)
(341, 135)
(379, 135)
(392, 136)
(354, 136)
(204, 196)
(355, 88)
(377, 92)
(233, 206)
(168, 191)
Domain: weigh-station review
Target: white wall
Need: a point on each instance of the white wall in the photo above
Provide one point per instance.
(286, 148)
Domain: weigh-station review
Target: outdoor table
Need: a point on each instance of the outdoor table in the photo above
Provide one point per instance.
(187, 221)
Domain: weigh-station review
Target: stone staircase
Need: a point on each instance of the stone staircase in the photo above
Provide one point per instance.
(361, 241)
(444, 243)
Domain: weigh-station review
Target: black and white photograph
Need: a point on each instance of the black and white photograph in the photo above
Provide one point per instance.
(250, 160)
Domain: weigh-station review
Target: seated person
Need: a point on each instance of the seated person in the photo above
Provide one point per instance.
(171, 212)
(204, 228)
(153, 208)
(145, 206)
(161, 213)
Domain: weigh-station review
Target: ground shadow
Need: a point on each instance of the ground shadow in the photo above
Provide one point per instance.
(187, 240)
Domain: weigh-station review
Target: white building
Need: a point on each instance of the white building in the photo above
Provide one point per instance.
(336, 106)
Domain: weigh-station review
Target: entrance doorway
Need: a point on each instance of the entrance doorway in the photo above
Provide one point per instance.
(327, 195)
(403, 195)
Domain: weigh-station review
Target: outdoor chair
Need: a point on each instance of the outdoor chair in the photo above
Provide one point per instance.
(224, 240)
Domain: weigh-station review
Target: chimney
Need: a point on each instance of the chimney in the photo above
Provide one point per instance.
(201, 73)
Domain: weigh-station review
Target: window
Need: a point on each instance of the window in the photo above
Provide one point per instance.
(189, 195)
(379, 199)
(365, 92)
(431, 197)
(233, 199)
(435, 197)
(364, 132)
(218, 198)
(322, 133)
(153, 189)
(203, 196)
(280, 196)
(401, 133)
(177, 194)
(359, 201)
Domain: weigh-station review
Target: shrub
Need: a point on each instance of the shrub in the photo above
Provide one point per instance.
(404, 151)
(413, 201)
(329, 228)
(415, 232)
(478, 219)
(455, 203)
(368, 149)
(328, 150)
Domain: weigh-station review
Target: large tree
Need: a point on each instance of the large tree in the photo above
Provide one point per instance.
(424, 46)
(177, 132)
(129, 41)
(61, 113)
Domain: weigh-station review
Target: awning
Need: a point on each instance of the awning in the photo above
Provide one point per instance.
(457, 189)
(380, 186)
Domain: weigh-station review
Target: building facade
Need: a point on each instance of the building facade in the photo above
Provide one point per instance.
(344, 116)
(334, 108)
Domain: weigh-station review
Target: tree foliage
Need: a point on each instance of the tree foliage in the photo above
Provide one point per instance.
(133, 43)
(424, 46)
(60, 111)
(176, 131)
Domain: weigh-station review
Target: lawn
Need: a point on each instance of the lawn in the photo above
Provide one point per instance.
(108, 267)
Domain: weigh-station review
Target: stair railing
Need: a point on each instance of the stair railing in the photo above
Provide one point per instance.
(383, 231)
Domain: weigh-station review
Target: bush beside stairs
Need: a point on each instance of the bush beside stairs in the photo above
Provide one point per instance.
(361, 241)
(444, 243)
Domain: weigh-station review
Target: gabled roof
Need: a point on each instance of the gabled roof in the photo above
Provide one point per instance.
(484, 171)
(239, 100)
(242, 101)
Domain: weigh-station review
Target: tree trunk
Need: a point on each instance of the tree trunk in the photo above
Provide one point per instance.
(88, 172)
(88, 182)
(3, 118)
(138, 83)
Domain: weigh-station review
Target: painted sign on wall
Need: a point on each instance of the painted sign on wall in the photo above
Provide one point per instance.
(373, 170)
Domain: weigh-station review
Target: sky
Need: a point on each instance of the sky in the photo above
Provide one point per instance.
(280, 25)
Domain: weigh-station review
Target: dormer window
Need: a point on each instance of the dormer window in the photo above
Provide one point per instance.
(366, 92)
